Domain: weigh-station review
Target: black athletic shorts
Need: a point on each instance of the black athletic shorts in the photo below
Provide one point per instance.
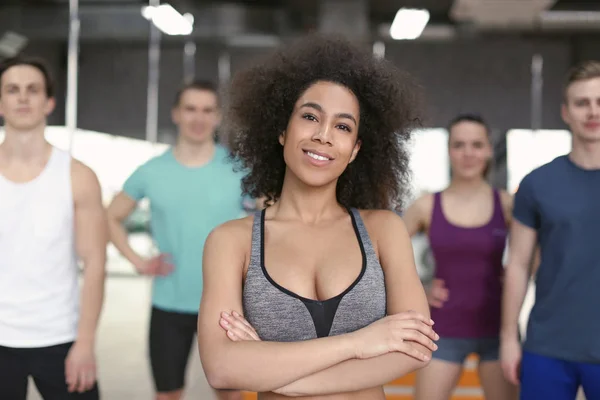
(171, 338)
(46, 365)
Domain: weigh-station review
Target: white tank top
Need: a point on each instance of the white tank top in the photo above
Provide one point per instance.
(39, 290)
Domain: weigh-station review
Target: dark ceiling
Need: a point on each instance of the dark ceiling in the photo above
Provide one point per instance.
(105, 19)
(379, 10)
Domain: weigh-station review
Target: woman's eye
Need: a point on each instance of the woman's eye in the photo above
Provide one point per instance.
(309, 117)
(345, 127)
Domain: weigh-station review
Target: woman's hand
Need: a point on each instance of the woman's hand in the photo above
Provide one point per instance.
(396, 333)
(392, 333)
(437, 293)
(237, 328)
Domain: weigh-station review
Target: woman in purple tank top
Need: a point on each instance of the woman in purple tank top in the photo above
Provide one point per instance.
(467, 227)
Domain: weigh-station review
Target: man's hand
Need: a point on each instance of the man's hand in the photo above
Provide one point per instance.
(510, 359)
(80, 367)
(160, 265)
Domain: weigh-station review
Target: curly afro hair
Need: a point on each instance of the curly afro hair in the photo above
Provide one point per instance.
(261, 98)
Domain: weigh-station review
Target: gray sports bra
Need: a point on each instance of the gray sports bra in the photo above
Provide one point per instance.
(280, 315)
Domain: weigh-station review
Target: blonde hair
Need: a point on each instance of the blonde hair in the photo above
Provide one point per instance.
(581, 72)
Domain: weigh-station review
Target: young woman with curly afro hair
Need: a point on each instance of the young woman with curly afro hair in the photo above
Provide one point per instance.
(317, 295)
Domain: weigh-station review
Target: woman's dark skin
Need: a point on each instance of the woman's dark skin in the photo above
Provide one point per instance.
(309, 197)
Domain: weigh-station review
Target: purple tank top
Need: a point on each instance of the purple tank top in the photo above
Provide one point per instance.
(469, 261)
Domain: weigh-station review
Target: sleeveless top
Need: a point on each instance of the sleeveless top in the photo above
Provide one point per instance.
(39, 294)
(469, 261)
(280, 315)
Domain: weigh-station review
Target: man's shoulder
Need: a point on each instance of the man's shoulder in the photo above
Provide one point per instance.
(81, 173)
(155, 164)
(159, 160)
(545, 175)
(223, 155)
(84, 182)
(228, 165)
(551, 167)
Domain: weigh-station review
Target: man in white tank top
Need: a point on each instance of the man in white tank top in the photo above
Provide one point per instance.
(51, 216)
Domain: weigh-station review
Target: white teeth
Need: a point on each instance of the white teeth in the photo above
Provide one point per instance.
(317, 157)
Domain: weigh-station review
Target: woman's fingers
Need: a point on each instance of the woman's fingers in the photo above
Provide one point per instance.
(240, 329)
(418, 337)
(410, 350)
(243, 320)
(423, 328)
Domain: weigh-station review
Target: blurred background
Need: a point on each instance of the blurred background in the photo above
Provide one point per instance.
(118, 64)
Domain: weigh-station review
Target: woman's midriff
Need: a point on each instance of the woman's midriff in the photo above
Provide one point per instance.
(368, 394)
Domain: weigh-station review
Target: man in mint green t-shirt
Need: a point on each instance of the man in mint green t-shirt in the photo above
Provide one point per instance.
(192, 188)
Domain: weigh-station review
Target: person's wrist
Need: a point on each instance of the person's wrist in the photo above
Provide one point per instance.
(138, 264)
(351, 345)
(509, 335)
(85, 341)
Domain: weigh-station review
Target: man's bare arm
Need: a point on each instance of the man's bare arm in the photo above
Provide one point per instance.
(90, 243)
(91, 240)
(522, 247)
(118, 210)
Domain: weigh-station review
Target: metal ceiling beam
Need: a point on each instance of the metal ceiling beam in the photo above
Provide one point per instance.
(500, 14)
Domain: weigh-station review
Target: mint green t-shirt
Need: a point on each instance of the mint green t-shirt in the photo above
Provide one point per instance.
(186, 204)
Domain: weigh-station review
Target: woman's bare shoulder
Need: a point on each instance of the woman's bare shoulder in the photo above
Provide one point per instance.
(236, 232)
(381, 222)
(380, 218)
(425, 202)
(506, 198)
(375, 216)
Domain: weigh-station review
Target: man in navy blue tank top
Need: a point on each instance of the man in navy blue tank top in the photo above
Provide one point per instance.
(557, 207)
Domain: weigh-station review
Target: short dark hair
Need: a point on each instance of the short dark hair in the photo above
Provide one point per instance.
(583, 71)
(261, 99)
(198, 84)
(468, 117)
(36, 63)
